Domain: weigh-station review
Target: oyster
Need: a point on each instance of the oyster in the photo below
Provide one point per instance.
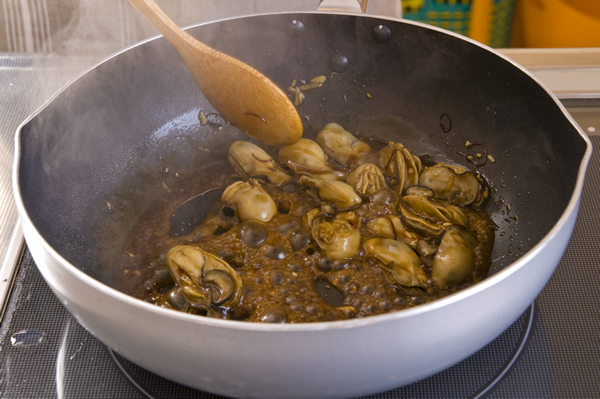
(381, 226)
(203, 278)
(250, 201)
(455, 184)
(308, 218)
(455, 259)
(391, 226)
(367, 179)
(249, 160)
(399, 259)
(340, 194)
(306, 157)
(429, 216)
(338, 236)
(315, 245)
(401, 165)
(426, 248)
(340, 144)
(420, 190)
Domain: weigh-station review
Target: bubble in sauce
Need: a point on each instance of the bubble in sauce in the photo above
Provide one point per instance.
(344, 278)
(358, 302)
(278, 277)
(177, 300)
(341, 264)
(288, 223)
(299, 239)
(385, 305)
(274, 251)
(367, 288)
(226, 254)
(295, 267)
(252, 233)
(277, 316)
(417, 300)
(161, 275)
(150, 285)
(313, 308)
(324, 264)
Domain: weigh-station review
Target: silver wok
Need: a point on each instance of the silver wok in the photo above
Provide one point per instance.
(92, 158)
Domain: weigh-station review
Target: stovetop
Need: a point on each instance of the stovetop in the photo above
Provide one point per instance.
(552, 350)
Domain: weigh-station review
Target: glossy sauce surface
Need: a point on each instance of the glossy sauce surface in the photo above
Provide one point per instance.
(287, 278)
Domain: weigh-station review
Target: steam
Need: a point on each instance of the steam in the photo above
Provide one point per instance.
(72, 37)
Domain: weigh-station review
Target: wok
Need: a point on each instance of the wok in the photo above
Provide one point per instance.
(92, 158)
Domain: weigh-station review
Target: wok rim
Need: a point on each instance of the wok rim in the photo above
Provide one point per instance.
(409, 313)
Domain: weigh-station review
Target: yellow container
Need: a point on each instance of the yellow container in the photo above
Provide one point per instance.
(557, 23)
(488, 21)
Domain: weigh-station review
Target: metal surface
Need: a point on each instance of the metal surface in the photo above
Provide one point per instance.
(26, 82)
(559, 358)
(568, 72)
(61, 354)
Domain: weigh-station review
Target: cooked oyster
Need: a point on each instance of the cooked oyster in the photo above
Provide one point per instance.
(306, 157)
(338, 237)
(454, 184)
(425, 247)
(399, 259)
(249, 160)
(340, 194)
(367, 179)
(391, 226)
(340, 144)
(382, 243)
(250, 201)
(400, 165)
(455, 259)
(420, 190)
(203, 278)
(429, 216)
(381, 226)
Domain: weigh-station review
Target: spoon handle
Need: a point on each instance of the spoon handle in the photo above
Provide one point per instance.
(169, 29)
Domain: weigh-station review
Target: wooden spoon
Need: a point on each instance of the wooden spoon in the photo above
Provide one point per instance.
(244, 96)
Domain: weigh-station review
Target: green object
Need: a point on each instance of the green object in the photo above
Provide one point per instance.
(455, 15)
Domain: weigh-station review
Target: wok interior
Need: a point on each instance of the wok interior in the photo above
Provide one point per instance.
(99, 153)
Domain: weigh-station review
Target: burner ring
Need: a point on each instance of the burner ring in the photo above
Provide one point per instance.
(465, 378)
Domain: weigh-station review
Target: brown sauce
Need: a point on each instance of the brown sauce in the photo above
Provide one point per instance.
(286, 277)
